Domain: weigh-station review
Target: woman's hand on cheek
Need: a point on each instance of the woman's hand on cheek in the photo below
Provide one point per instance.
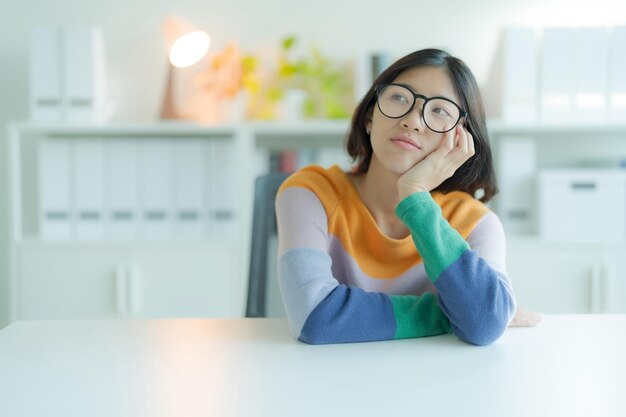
(456, 147)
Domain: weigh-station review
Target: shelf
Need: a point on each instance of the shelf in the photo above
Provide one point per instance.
(187, 128)
(535, 241)
(169, 245)
(165, 128)
(304, 127)
(498, 127)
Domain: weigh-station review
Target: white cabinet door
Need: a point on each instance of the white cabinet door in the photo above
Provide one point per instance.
(67, 281)
(553, 278)
(67, 284)
(184, 283)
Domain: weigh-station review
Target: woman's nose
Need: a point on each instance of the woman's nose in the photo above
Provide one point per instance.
(413, 120)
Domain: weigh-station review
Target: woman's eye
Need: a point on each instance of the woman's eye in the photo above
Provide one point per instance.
(439, 111)
(399, 98)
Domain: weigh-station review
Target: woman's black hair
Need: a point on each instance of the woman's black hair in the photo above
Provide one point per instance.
(478, 171)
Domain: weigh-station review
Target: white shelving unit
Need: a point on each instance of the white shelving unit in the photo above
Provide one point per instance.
(563, 276)
(103, 278)
(208, 277)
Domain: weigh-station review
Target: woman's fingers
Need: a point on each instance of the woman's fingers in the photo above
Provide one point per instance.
(466, 143)
(447, 144)
(463, 135)
(471, 143)
(456, 147)
(457, 137)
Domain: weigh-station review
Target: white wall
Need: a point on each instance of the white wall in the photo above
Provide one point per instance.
(468, 29)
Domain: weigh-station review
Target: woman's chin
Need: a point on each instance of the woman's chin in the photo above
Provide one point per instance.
(394, 164)
(401, 167)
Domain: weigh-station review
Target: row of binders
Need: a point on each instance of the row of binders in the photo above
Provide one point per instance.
(137, 188)
(564, 74)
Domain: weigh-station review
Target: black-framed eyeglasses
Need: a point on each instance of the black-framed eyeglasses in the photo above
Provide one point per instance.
(440, 114)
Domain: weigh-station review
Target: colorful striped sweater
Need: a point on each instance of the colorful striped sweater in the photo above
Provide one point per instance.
(343, 280)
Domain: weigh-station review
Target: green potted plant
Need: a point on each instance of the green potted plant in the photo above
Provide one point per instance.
(326, 85)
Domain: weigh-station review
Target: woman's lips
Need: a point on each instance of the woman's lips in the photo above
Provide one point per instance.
(405, 143)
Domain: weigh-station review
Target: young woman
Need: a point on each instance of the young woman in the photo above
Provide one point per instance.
(403, 246)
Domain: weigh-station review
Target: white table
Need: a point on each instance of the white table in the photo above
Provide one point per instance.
(567, 366)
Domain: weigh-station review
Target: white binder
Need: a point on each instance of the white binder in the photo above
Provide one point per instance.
(88, 178)
(84, 74)
(519, 95)
(189, 189)
(155, 188)
(46, 88)
(122, 188)
(591, 69)
(222, 176)
(55, 188)
(618, 75)
(517, 196)
(557, 75)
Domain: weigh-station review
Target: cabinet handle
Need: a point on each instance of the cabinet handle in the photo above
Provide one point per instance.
(607, 283)
(133, 287)
(594, 293)
(121, 288)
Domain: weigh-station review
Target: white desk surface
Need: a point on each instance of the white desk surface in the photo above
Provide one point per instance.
(567, 366)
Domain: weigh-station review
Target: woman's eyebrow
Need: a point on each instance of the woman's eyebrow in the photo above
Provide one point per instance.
(408, 86)
(415, 92)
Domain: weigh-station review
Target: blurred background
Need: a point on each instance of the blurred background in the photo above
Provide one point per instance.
(129, 160)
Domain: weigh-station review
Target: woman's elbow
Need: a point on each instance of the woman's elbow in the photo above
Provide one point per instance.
(311, 335)
(313, 340)
(485, 331)
(317, 336)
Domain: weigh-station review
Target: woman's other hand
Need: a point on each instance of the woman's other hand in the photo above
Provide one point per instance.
(525, 318)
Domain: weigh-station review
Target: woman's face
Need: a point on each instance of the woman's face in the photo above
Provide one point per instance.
(399, 144)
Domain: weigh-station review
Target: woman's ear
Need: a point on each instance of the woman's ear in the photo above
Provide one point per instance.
(368, 120)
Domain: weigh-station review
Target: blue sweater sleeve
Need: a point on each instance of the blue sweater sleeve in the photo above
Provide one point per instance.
(478, 302)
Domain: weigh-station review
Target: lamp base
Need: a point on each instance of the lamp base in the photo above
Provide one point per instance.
(168, 110)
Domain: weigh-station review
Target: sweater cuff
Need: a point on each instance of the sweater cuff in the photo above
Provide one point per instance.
(418, 203)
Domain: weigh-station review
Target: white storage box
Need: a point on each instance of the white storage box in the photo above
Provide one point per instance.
(582, 205)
